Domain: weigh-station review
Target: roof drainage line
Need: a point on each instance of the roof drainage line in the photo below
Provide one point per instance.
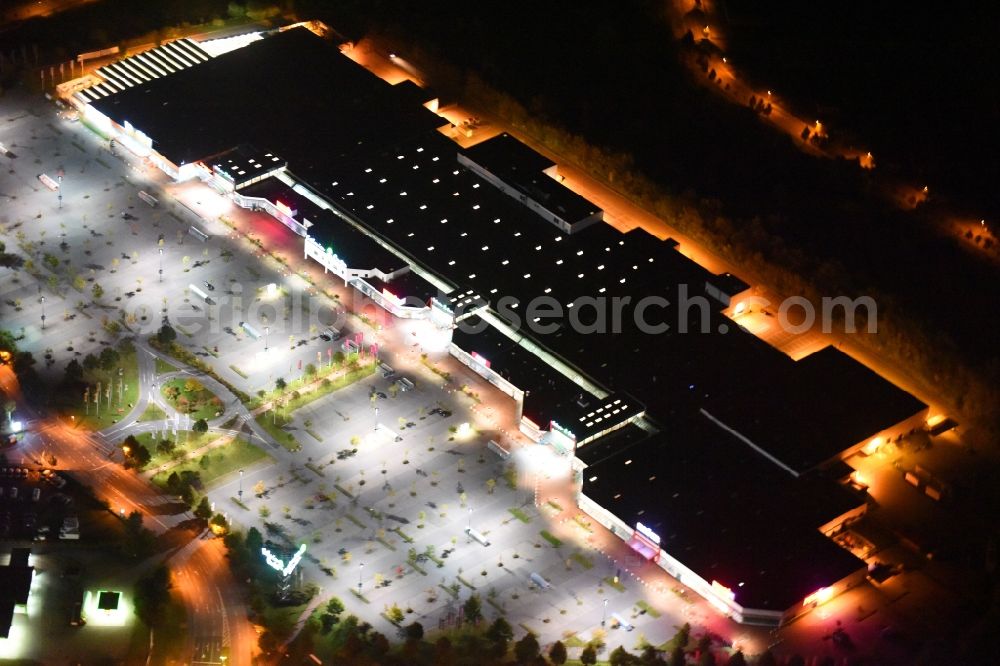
(549, 358)
(746, 441)
(348, 217)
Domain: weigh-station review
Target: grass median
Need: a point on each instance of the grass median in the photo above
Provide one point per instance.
(183, 442)
(276, 419)
(218, 463)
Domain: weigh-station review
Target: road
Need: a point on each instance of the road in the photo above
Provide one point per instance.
(217, 614)
(216, 611)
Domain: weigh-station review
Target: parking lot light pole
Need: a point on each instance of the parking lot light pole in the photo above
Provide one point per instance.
(240, 492)
(267, 329)
(361, 569)
(470, 518)
(43, 312)
(161, 264)
(604, 618)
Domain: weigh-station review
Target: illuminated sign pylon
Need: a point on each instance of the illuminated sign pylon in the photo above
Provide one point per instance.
(277, 564)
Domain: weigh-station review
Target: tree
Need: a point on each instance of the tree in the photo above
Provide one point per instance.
(137, 540)
(109, 358)
(473, 608)
(557, 653)
(706, 658)
(737, 659)
(683, 636)
(204, 509)
(335, 606)
(621, 657)
(588, 656)
(327, 623)
(191, 385)
(338, 357)
(499, 634)
(268, 642)
(254, 541)
(651, 656)
(166, 334)
(97, 291)
(174, 482)
(136, 455)
(443, 652)
(527, 648)
(414, 631)
(74, 372)
(152, 593)
(677, 657)
(201, 425)
(205, 461)
(219, 524)
(259, 488)
(766, 659)
(166, 447)
(91, 363)
(310, 369)
(395, 614)
(280, 384)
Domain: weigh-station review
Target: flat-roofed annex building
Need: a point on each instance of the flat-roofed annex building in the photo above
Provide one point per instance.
(722, 519)
(521, 173)
(15, 587)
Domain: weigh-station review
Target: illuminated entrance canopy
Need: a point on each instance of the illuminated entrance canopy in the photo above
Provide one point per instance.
(648, 533)
(277, 564)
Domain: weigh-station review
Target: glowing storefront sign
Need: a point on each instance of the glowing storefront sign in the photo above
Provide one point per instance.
(723, 591)
(648, 533)
(391, 297)
(283, 208)
(820, 596)
(277, 564)
(569, 434)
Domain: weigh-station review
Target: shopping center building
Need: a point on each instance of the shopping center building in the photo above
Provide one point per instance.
(700, 445)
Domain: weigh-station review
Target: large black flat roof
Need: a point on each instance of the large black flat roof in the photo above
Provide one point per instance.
(782, 411)
(723, 511)
(293, 91)
(521, 167)
(464, 230)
